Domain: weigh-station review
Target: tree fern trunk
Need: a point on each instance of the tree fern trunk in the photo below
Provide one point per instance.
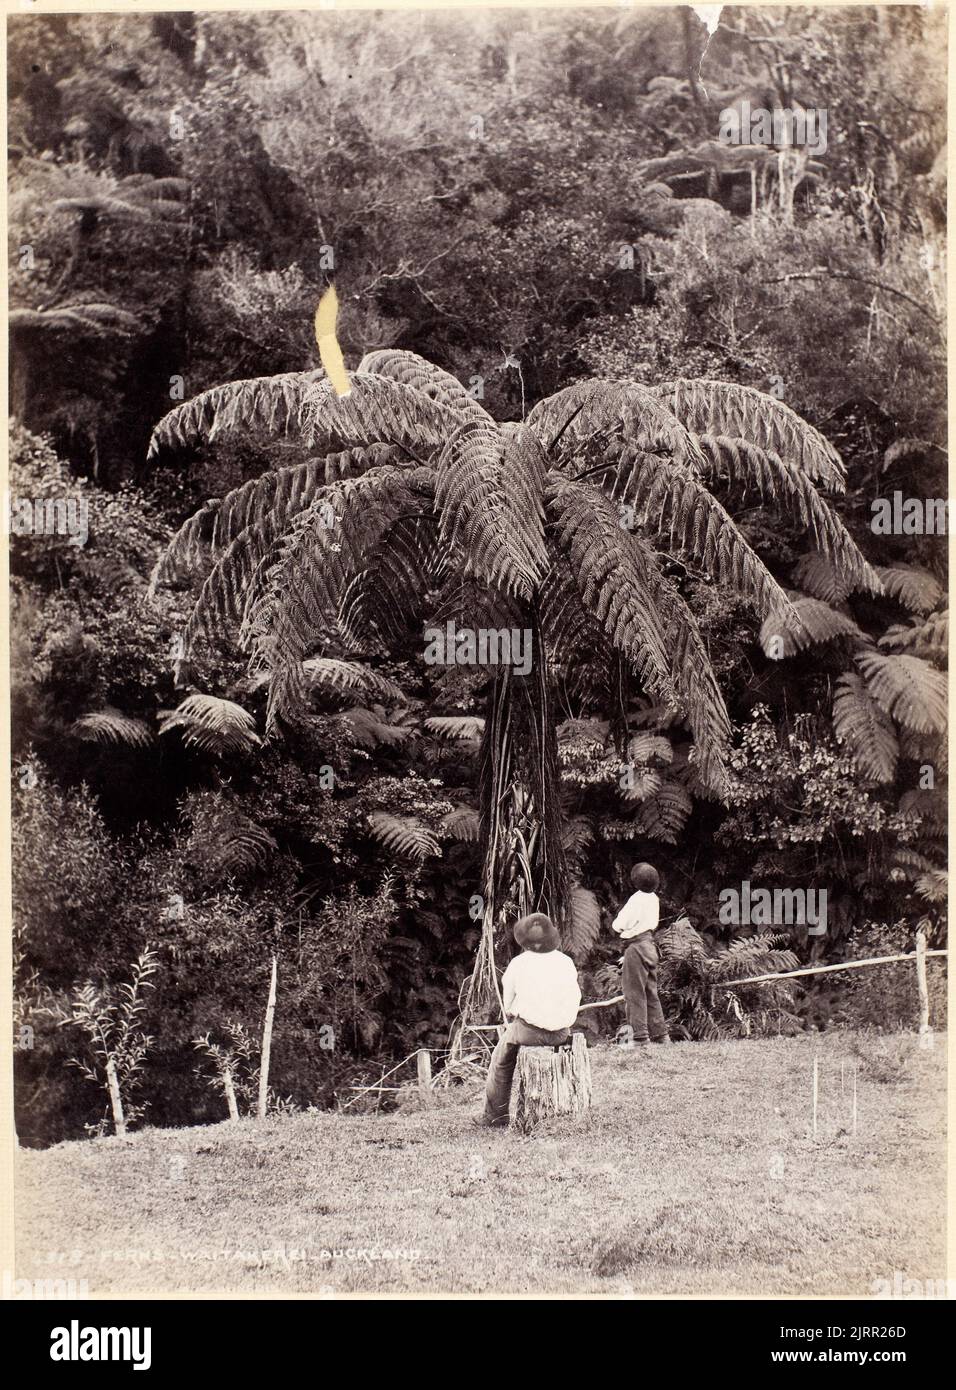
(525, 869)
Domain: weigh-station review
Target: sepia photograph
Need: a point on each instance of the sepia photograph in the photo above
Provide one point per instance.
(477, 528)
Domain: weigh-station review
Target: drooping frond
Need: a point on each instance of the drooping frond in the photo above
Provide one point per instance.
(593, 411)
(803, 624)
(110, 726)
(909, 689)
(269, 403)
(380, 604)
(620, 582)
(297, 601)
(488, 492)
(670, 502)
(403, 835)
(616, 577)
(369, 728)
(816, 576)
(463, 823)
(460, 727)
(411, 370)
(332, 674)
(916, 589)
(376, 411)
(785, 488)
(743, 412)
(212, 724)
(582, 656)
(866, 728)
(261, 506)
(664, 815)
(584, 923)
(928, 639)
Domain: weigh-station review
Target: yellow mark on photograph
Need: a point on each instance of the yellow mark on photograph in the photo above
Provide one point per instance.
(329, 350)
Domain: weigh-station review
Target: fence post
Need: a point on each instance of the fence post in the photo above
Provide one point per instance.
(266, 1046)
(921, 980)
(424, 1069)
(816, 1092)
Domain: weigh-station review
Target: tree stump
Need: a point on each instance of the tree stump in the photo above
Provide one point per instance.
(551, 1081)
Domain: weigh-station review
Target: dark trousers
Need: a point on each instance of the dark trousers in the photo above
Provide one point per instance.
(504, 1059)
(642, 1006)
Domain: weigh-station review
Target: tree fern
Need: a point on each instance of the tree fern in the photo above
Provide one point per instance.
(742, 412)
(806, 623)
(212, 724)
(928, 639)
(916, 589)
(467, 727)
(866, 728)
(404, 836)
(111, 727)
(909, 689)
(584, 923)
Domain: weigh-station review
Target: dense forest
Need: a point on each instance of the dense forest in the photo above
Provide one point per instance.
(529, 201)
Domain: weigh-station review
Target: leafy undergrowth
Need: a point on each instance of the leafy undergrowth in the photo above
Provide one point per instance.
(696, 1172)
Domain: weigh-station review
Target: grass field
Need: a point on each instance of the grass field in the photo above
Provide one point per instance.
(695, 1172)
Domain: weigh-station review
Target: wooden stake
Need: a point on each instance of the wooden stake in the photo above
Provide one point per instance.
(230, 1091)
(267, 1045)
(116, 1100)
(921, 979)
(854, 1097)
(424, 1069)
(816, 1092)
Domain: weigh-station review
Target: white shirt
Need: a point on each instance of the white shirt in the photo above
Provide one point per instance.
(640, 913)
(542, 988)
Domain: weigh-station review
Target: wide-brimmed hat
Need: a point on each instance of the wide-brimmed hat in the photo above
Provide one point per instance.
(537, 933)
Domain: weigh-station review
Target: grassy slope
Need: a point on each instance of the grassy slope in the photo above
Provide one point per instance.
(694, 1173)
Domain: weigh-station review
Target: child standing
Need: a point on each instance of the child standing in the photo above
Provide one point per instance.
(541, 997)
(635, 924)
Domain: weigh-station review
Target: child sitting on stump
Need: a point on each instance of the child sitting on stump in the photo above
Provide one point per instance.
(636, 923)
(541, 997)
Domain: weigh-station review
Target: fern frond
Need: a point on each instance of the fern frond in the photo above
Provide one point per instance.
(671, 503)
(488, 492)
(331, 673)
(645, 748)
(583, 925)
(466, 727)
(909, 689)
(295, 601)
(381, 604)
(786, 489)
(369, 729)
(818, 577)
(110, 726)
(743, 412)
(376, 411)
(663, 816)
(806, 623)
(933, 886)
(403, 835)
(409, 369)
(463, 823)
(212, 724)
(270, 403)
(868, 730)
(915, 589)
(602, 410)
(643, 783)
(619, 581)
(928, 639)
